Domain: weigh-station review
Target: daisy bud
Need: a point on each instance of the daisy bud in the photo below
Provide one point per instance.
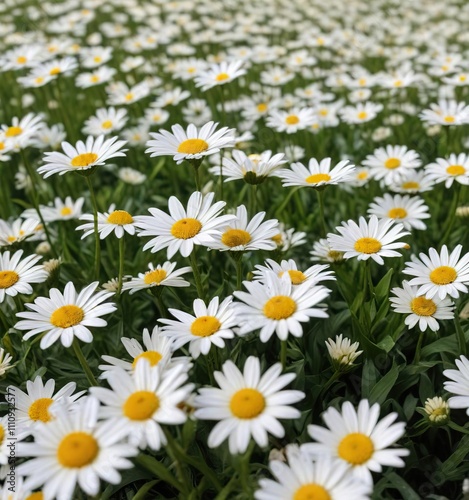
(5, 360)
(342, 352)
(52, 267)
(43, 248)
(437, 410)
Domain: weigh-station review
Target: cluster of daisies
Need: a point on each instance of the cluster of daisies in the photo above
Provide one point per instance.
(179, 180)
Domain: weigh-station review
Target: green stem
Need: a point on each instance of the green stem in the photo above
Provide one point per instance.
(244, 470)
(121, 263)
(418, 348)
(253, 200)
(460, 335)
(283, 353)
(83, 363)
(197, 276)
(452, 215)
(4, 320)
(320, 194)
(238, 258)
(196, 177)
(97, 252)
(369, 280)
(159, 470)
(287, 198)
(157, 292)
(173, 453)
(328, 384)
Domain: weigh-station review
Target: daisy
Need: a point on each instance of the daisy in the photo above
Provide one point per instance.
(375, 239)
(75, 450)
(17, 231)
(303, 478)
(92, 57)
(4, 442)
(106, 121)
(219, 74)
(156, 349)
(253, 169)
(242, 235)
(458, 384)
(138, 402)
(16, 274)
(155, 116)
(412, 182)
(5, 359)
(247, 404)
(277, 305)
(392, 163)
(66, 315)
(191, 144)
(405, 209)
(439, 274)
(288, 238)
(121, 94)
(323, 252)
(422, 311)
(211, 324)
(313, 275)
(361, 113)
(318, 174)
(21, 132)
(182, 229)
(50, 137)
(446, 113)
(437, 409)
(455, 168)
(38, 403)
(358, 439)
(342, 352)
(171, 98)
(61, 210)
(114, 221)
(291, 121)
(162, 275)
(131, 176)
(83, 158)
(103, 74)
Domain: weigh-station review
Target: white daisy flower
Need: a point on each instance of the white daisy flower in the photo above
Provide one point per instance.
(358, 439)
(313, 275)
(303, 478)
(66, 316)
(4, 442)
(156, 349)
(131, 176)
(439, 274)
(289, 238)
(446, 112)
(103, 74)
(361, 113)
(211, 324)
(247, 404)
(182, 229)
(21, 132)
(458, 384)
(120, 93)
(317, 174)
(276, 305)
(162, 275)
(242, 235)
(114, 221)
(391, 163)
(291, 121)
(83, 158)
(342, 351)
(323, 252)
(16, 274)
(106, 121)
(18, 230)
(375, 239)
(5, 359)
(38, 403)
(437, 409)
(192, 144)
(421, 310)
(219, 74)
(405, 209)
(139, 402)
(454, 168)
(412, 182)
(75, 450)
(60, 210)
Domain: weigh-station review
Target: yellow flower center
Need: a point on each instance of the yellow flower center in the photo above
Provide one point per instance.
(154, 357)
(186, 228)
(192, 146)
(8, 279)
(410, 185)
(363, 115)
(204, 326)
(94, 79)
(367, 245)
(392, 163)
(311, 491)
(292, 120)
(296, 277)
(129, 96)
(278, 238)
(39, 410)
(221, 77)
(54, 71)
(106, 124)
(397, 213)
(456, 170)
(335, 255)
(84, 160)
(247, 403)
(2, 434)
(362, 176)
(279, 307)
(67, 316)
(97, 59)
(11, 239)
(13, 131)
(324, 112)
(2, 145)
(141, 405)
(66, 211)
(37, 495)
(262, 107)
(423, 307)
(449, 119)
(398, 83)
(316, 178)
(235, 237)
(356, 448)
(21, 60)
(443, 275)
(154, 277)
(462, 78)
(39, 80)
(77, 449)
(120, 217)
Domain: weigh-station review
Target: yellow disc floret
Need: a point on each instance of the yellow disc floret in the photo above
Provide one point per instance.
(204, 326)
(141, 405)
(367, 245)
(77, 449)
(279, 307)
(39, 410)
(247, 403)
(443, 275)
(186, 228)
(423, 307)
(8, 279)
(67, 316)
(235, 237)
(120, 217)
(311, 491)
(84, 160)
(356, 448)
(192, 146)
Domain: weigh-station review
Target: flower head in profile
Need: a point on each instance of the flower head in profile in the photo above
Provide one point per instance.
(162, 275)
(114, 221)
(342, 352)
(219, 74)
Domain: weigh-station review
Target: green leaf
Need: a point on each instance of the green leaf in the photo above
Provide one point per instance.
(457, 456)
(402, 486)
(380, 391)
(446, 344)
(369, 377)
(142, 492)
(382, 288)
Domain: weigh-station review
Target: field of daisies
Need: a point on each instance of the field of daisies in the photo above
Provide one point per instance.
(234, 250)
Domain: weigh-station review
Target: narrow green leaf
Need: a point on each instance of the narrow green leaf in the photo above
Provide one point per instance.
(380, 391)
